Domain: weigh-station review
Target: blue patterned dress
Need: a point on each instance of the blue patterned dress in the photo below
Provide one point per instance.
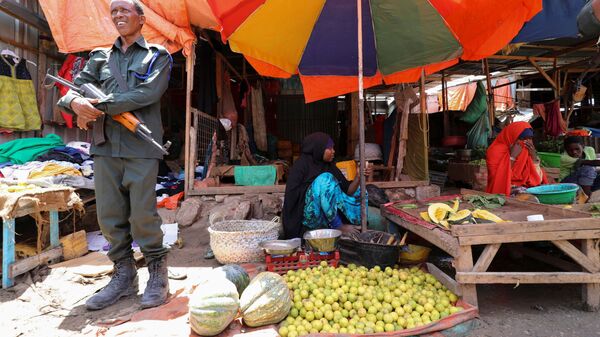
(324, 201)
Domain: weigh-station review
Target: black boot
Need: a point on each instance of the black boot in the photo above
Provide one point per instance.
(157, 288)
(124, 282)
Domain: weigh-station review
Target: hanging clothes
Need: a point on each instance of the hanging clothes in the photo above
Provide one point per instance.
(259, 125)
(502, 174)
(69, 70)
(503, 96)
(18, 103)
(554, 123)
(460, 96)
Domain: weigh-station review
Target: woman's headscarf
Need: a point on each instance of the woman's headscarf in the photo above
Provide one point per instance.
(309, 166)
(501, 174)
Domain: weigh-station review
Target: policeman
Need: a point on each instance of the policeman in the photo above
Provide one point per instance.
(134, 74)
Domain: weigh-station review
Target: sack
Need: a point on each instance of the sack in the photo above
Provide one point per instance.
(477, 107)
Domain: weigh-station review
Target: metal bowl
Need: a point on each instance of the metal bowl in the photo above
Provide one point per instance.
(280, 247)
(323, 240)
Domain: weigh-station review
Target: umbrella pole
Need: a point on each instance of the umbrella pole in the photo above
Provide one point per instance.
(361, 121)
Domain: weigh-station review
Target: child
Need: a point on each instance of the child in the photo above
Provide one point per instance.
(577, 165)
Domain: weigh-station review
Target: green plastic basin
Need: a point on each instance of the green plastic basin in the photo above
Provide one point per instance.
(555, 193)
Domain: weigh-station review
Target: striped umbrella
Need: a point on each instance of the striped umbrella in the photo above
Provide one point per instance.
(317, 39)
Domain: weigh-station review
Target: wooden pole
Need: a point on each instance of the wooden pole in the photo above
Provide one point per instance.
(445, 106)
(424, 124)
(190, 166)
(361, 120)
(491, 106)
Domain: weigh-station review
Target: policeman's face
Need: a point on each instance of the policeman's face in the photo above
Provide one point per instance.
(126, 18)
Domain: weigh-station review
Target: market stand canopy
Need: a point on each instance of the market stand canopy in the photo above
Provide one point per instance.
(317, 39)
(84, 25)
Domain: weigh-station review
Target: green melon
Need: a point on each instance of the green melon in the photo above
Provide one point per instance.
(236, 274)
(213, 306)
(266, 300)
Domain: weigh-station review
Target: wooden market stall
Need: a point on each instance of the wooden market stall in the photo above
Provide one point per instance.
(561, 226)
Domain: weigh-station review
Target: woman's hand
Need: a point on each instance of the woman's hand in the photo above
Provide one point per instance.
(348, 229)
(515, 151)
(532, 151)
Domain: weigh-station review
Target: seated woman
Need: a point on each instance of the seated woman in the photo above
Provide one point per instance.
(577, 165)
(512, 161)
(317, 195)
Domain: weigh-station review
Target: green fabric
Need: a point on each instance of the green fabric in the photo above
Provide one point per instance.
(567, 162)
(20, 151)
(255, 175)
(480, 133)
(414, 161)
(143, 97)
(126, 211)
(477, 107)
(405, 42)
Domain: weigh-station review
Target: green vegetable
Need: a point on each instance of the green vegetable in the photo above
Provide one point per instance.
(486, 201)
(408, 206)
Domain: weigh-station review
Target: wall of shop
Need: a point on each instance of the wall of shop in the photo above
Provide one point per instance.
(37, 47)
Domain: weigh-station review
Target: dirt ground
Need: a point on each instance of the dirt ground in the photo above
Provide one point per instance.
(49, 302)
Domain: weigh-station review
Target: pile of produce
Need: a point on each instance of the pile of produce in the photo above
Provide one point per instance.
(445, 215)
(217, 302)
(357, 300)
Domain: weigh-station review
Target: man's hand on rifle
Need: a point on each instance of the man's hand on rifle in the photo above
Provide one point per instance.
(85, 111)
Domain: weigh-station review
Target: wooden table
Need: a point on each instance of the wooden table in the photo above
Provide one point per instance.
(560, 227)
(51, 200)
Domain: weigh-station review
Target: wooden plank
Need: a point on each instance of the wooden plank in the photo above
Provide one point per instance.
(8, 251)
(54, 236)
(529, 237)
(490, 90)
(444, 279)
(188, 146)
(518, 227)
(484, 261)
(543, 72)
(521, 58)
(526, 277)
(546, 258)
(29, 263)
(559, 212)
(464, 263)
(238, 190)
(438, 237)
(577, 255)
(591, 291)
(400, 184)
(21, 13)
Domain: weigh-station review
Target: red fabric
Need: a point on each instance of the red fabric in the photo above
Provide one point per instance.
(501, 174)
(378, 126)
(69, 70)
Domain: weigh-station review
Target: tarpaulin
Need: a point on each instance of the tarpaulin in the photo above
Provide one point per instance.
(459, 97)
(477, 107)
(84, 25)
(557, 19)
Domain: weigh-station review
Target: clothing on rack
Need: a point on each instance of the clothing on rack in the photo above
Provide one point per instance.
(69, 70)
(259, 126)
(554, 123)
(18, 106)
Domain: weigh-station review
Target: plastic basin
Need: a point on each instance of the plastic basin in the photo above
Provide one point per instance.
(555, 193)
(414, 254)
(549, 159)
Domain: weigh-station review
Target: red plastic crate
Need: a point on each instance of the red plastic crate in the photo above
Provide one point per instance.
(300, 260)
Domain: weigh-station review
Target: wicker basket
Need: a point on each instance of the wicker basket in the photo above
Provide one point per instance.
(236, 241)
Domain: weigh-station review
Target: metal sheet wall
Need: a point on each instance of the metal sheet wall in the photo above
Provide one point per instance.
(295, 119)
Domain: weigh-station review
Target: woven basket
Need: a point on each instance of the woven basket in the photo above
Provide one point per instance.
(236, 241)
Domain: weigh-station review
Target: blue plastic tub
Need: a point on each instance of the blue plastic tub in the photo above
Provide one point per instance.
(555, 193)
